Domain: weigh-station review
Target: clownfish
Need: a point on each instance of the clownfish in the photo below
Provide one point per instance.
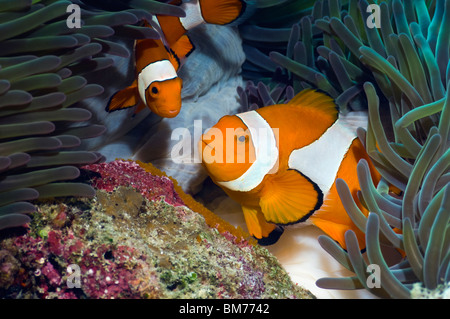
(280, 162)
(157, 84)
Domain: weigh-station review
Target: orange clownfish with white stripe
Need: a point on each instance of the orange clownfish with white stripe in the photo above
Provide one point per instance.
(281, 162)
(157, 84)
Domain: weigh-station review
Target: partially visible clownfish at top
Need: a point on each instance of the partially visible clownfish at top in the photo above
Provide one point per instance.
(157, 85)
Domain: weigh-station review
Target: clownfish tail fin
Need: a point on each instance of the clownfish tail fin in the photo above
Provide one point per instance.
(123, 99)
(226, 11)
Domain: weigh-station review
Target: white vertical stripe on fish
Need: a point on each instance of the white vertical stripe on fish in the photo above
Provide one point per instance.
(156, 71)
(266, 153)
(320, 160)
(193, 16)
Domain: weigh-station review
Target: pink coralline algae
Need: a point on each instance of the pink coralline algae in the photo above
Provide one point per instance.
(105, 271)
(127, 173)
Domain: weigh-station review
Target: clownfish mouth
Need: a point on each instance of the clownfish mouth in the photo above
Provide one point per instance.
(173, 111)
(169, 113)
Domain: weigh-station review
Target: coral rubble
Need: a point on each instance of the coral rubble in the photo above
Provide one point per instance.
(134, 239)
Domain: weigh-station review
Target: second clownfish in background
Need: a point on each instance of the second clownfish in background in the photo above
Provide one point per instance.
(157, 84)
(282, 162)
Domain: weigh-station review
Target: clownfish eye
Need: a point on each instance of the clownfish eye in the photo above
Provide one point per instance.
(241, 139)
(154, 90)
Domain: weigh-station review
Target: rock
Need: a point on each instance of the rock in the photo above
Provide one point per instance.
(135, 239)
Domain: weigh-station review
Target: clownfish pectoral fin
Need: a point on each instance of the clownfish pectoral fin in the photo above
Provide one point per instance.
(290, 198)
(124, 99)
(140, 107)
(180, 50)
(320, 101)
(222, 11)
(256, 224)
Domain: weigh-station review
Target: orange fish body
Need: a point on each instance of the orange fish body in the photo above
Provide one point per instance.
(157, 84)
(293, 154)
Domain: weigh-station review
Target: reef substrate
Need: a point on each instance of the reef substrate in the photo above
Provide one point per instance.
(136, 238)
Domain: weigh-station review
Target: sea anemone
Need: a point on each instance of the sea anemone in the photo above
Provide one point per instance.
(400, 72)
(45, 59)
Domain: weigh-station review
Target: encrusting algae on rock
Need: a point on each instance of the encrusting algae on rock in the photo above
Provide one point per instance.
(211, 219)
(134, 239)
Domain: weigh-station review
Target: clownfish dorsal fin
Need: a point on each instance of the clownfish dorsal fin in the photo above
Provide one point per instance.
(320, 101)
(174, 60)
(180, 50)
(124, 99)
(183, 47)
(289, 198)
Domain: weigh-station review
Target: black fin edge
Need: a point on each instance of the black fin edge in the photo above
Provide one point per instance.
(272, 238)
